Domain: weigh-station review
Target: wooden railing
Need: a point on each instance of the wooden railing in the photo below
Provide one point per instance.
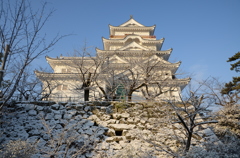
(123, 36)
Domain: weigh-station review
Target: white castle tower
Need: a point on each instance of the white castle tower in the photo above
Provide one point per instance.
(131, 66)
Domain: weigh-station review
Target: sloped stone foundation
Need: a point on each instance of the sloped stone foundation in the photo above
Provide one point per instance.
(94, 130)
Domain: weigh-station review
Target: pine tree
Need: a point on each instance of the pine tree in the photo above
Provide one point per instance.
(234, 85)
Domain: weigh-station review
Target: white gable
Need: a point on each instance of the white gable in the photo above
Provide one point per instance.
(133, 46)
(132, 23)
(116, 59)
(156, 58)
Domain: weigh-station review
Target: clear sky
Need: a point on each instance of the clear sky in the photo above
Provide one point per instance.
(202, 33)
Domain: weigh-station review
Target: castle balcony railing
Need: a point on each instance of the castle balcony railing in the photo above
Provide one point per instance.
(123, 36)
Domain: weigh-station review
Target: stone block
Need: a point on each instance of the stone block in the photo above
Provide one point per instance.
(87, 108)
(57, 117)
(118, 138)
(130, 120)
(78, 117)
(124, 132)
(34, 132)
(109, 139)
(72, 112)
(104, 146)
(49, 116)
(111, 121)
(93, 117)
(45, 136)
(23, 135)
(61, 107)
(33, 139)
(110, 132)
(88, 132)
(47, 110)
(67, 116)
(32, 112)
(41, 114)
(121, 127)
(57, 112)
(142, 121)
(29, 107)
(79, 107)
(39, 108)
(105, 117)
(58, 126)
(100, 132)
(89, 123)
(117, 146)
(125, 115)
(85, 116)
(103, 123)
(116, 116)
(122, 121)
(55, 106)
(89, 154)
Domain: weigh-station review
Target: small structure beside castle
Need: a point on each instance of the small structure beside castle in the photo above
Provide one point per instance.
(131, 66)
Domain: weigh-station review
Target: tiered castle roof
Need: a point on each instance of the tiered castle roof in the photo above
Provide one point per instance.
(130, 40)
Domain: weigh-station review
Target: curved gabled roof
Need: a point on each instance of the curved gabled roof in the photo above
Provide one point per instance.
(130, 22)
(108, 42)
(132, 25)
(133, 45)
(162, 53)
(177, 82)
(65, 60)
(132, 36)
(43, 76)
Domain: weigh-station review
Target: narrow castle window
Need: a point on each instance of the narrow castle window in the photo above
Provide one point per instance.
(65, 87)
(66, 70)
(62, 87)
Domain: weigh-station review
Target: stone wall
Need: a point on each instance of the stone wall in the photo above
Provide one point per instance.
(93, 129)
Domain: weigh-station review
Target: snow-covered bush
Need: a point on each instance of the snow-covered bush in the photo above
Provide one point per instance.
(18, 149)
(227, 150)
(228, 122)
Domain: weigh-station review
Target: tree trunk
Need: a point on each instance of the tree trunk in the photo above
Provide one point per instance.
(7, 48)
(188, 141)
(130, 95)
(86, 94)
(104, 92)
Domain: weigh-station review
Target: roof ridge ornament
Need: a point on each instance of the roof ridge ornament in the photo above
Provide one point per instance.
(131, 16)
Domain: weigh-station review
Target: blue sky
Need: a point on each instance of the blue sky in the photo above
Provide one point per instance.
(202, 33)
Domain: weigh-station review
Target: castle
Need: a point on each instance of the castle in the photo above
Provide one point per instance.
(131, 66)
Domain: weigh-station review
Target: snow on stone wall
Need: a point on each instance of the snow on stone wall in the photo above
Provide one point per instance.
(91, 129)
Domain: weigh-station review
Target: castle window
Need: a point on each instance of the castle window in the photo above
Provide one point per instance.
(62, 87)
(59, 87)
(64, 70)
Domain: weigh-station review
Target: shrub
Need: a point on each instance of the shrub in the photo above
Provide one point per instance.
(18, 149)
(227, 150)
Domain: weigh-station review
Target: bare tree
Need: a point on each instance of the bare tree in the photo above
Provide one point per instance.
(145, 74)
(183, 118)
(48, 83)
(21, 30)
(107, 81)
(86, 68)
(28, 86)
(188, 112)
(213, 87)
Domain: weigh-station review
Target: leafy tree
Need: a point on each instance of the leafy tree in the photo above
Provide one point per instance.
(233, 87)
